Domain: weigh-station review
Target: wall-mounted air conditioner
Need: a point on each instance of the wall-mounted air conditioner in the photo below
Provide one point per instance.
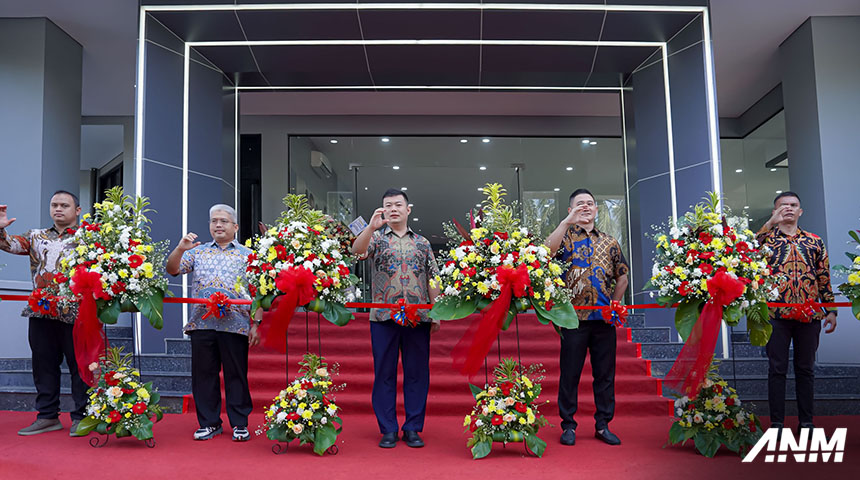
(321, 165)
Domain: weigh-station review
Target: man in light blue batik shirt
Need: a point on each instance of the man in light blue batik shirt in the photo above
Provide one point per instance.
(217, 342)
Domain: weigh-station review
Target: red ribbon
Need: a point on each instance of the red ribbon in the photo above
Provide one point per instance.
(619, 310)
(43, 302)
(804, 312)
(297, 283)
(404, 314)
(216, 305)
(470, 351)
(690, 368)
(87, 333)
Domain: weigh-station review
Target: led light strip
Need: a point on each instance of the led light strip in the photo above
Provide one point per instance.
(427, 6)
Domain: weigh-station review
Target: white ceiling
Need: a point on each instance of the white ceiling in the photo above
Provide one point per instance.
(746, 36)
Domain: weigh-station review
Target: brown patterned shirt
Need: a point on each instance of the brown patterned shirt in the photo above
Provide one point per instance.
(595, 263)
(802, 264)
(46, 247)
(401, 267)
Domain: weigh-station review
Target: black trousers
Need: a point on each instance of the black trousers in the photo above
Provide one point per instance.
(805, 338)
(50, 341)
(210, 351)
(599, 339)
(389, 340)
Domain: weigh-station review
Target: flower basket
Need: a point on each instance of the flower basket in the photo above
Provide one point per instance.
(506, 411)
(714, 419)
(851, 287)
(306, 410)
(120, 404)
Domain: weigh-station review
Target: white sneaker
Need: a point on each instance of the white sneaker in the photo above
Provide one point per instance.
(206, 433)
(240, 434)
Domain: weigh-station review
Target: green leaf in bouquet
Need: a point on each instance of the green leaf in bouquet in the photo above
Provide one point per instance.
(127, 306)
(102, 428)
(707, 444)
(152, 307)
(266, 301)
(482, 449)
(122, 431)
(277, 433)
(336, 314)
(159, 414)
(316, 305)
(854, 235)
(108, 311)
(669, 300)
(851, 256)
(686, 315)
(142, 431)
(512, 313)
(855, 308)
(154, 397)
(676, 433)
(732, 315)
(760, 334)
(648, 286)
(562, 315)
(453, 308)
(475, 390)
(87, 425)
(536, 445)
(324, 438)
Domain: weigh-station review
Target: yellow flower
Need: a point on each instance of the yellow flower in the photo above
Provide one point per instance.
(718, 244)
(272, 254)
(128, 415)
(142, 393)
(122, 273)
(467, 420)
(248, 243)
(283, 404)
(86, 216)
(854, 278)
(307, 414)
(483, 288)
(107, 228)
(81, 249)
(526, 381)
(539, 272)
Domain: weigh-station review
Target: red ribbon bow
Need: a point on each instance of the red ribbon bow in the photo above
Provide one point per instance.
(43, 302)
(404, 314)
(804, 312)
(691, 367)
(216, 305)
(87, 334)
(619, 310)
(470, 351)
(297, 283)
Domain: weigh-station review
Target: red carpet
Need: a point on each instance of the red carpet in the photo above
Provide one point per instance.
(637, 393)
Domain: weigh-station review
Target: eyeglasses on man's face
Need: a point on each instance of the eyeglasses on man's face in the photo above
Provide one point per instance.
(221, 221)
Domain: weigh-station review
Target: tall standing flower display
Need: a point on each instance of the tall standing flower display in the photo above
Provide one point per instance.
(302, 259)
(115, 267)
(851, 287)
(710, 264)
(506, 410)
(499, 269)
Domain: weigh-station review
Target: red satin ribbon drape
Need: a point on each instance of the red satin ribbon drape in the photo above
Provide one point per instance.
(298, 285)
(87, 333)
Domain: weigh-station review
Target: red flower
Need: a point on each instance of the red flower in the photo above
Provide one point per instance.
(706, 255)
(252, 290)
(718, 388)
(111, 382)
(266, 267)
(752, 427)
(117, 288)
(706, 268)
(506, 388)
(501, 235)
(690, 406)
(127, 390)
(729, 250)
(742, 247)
(745, 258)
(730, 401)
(311, 258)
(520, 407)
(473, 426)
(705, 237)
(252, 257)
(253, 269)
(497, 420)
(135, 261)
(93, 227)
(307, 385)
(343, 270)
(728, 424)
(761, 281)
(281, 251)
(60, 278)
(139, 408)
(115, 416)
(677, 242)
(71, 230)
(469, 272)
(466, 243)
(549, 304)
(132, 244)
(293, 416)
(684, 288)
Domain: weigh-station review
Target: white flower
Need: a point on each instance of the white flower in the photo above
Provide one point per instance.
(697, 418)
(323, 420)
(281, 417)
(479, 422)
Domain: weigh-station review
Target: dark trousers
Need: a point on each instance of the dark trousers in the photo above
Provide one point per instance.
(50, 341)
(598, 338)
(805, 338)
(389, 340)
(210, 350)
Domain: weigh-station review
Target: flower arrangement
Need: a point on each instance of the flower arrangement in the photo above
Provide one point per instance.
(697, 248)
(120, 404)
(499, 268)
(302, 259)
(506, 410)
(305, 410)
(714, 418)
(127, 267)
(851, 287)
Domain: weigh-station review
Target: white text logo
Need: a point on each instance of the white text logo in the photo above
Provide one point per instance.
(835, 447)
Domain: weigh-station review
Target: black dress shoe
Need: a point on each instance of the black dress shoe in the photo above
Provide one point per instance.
(412, 439)
(607, 436)
(568, 437)
(389, 440)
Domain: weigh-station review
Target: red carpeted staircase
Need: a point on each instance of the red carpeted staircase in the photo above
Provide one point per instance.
(637, 393)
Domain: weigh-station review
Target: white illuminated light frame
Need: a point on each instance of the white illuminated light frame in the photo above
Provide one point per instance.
(141, 64)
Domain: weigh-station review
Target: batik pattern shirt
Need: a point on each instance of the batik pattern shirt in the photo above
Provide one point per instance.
(401, 267)
(46, 247)
(594, 263)
(802, 266)
(216, 270)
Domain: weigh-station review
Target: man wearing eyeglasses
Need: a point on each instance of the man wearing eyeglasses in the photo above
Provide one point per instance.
(223, 341)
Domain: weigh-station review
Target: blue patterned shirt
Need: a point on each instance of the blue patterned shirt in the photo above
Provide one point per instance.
(216, 270)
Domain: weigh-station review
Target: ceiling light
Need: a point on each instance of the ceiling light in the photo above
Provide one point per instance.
(333, 140)
(482, 167)
(385, 139)
(478, 205)
(772, 169)
(485, 140)
(569, 169)
(403, 188)
(411, 205)
(365, 188)
(592, 142)
(463, 140)
(778, 192)
(556, 189)
(481, 189)
(739, 170)
(396, 167)
(586, 141)
(414, 219)
(746, 206)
